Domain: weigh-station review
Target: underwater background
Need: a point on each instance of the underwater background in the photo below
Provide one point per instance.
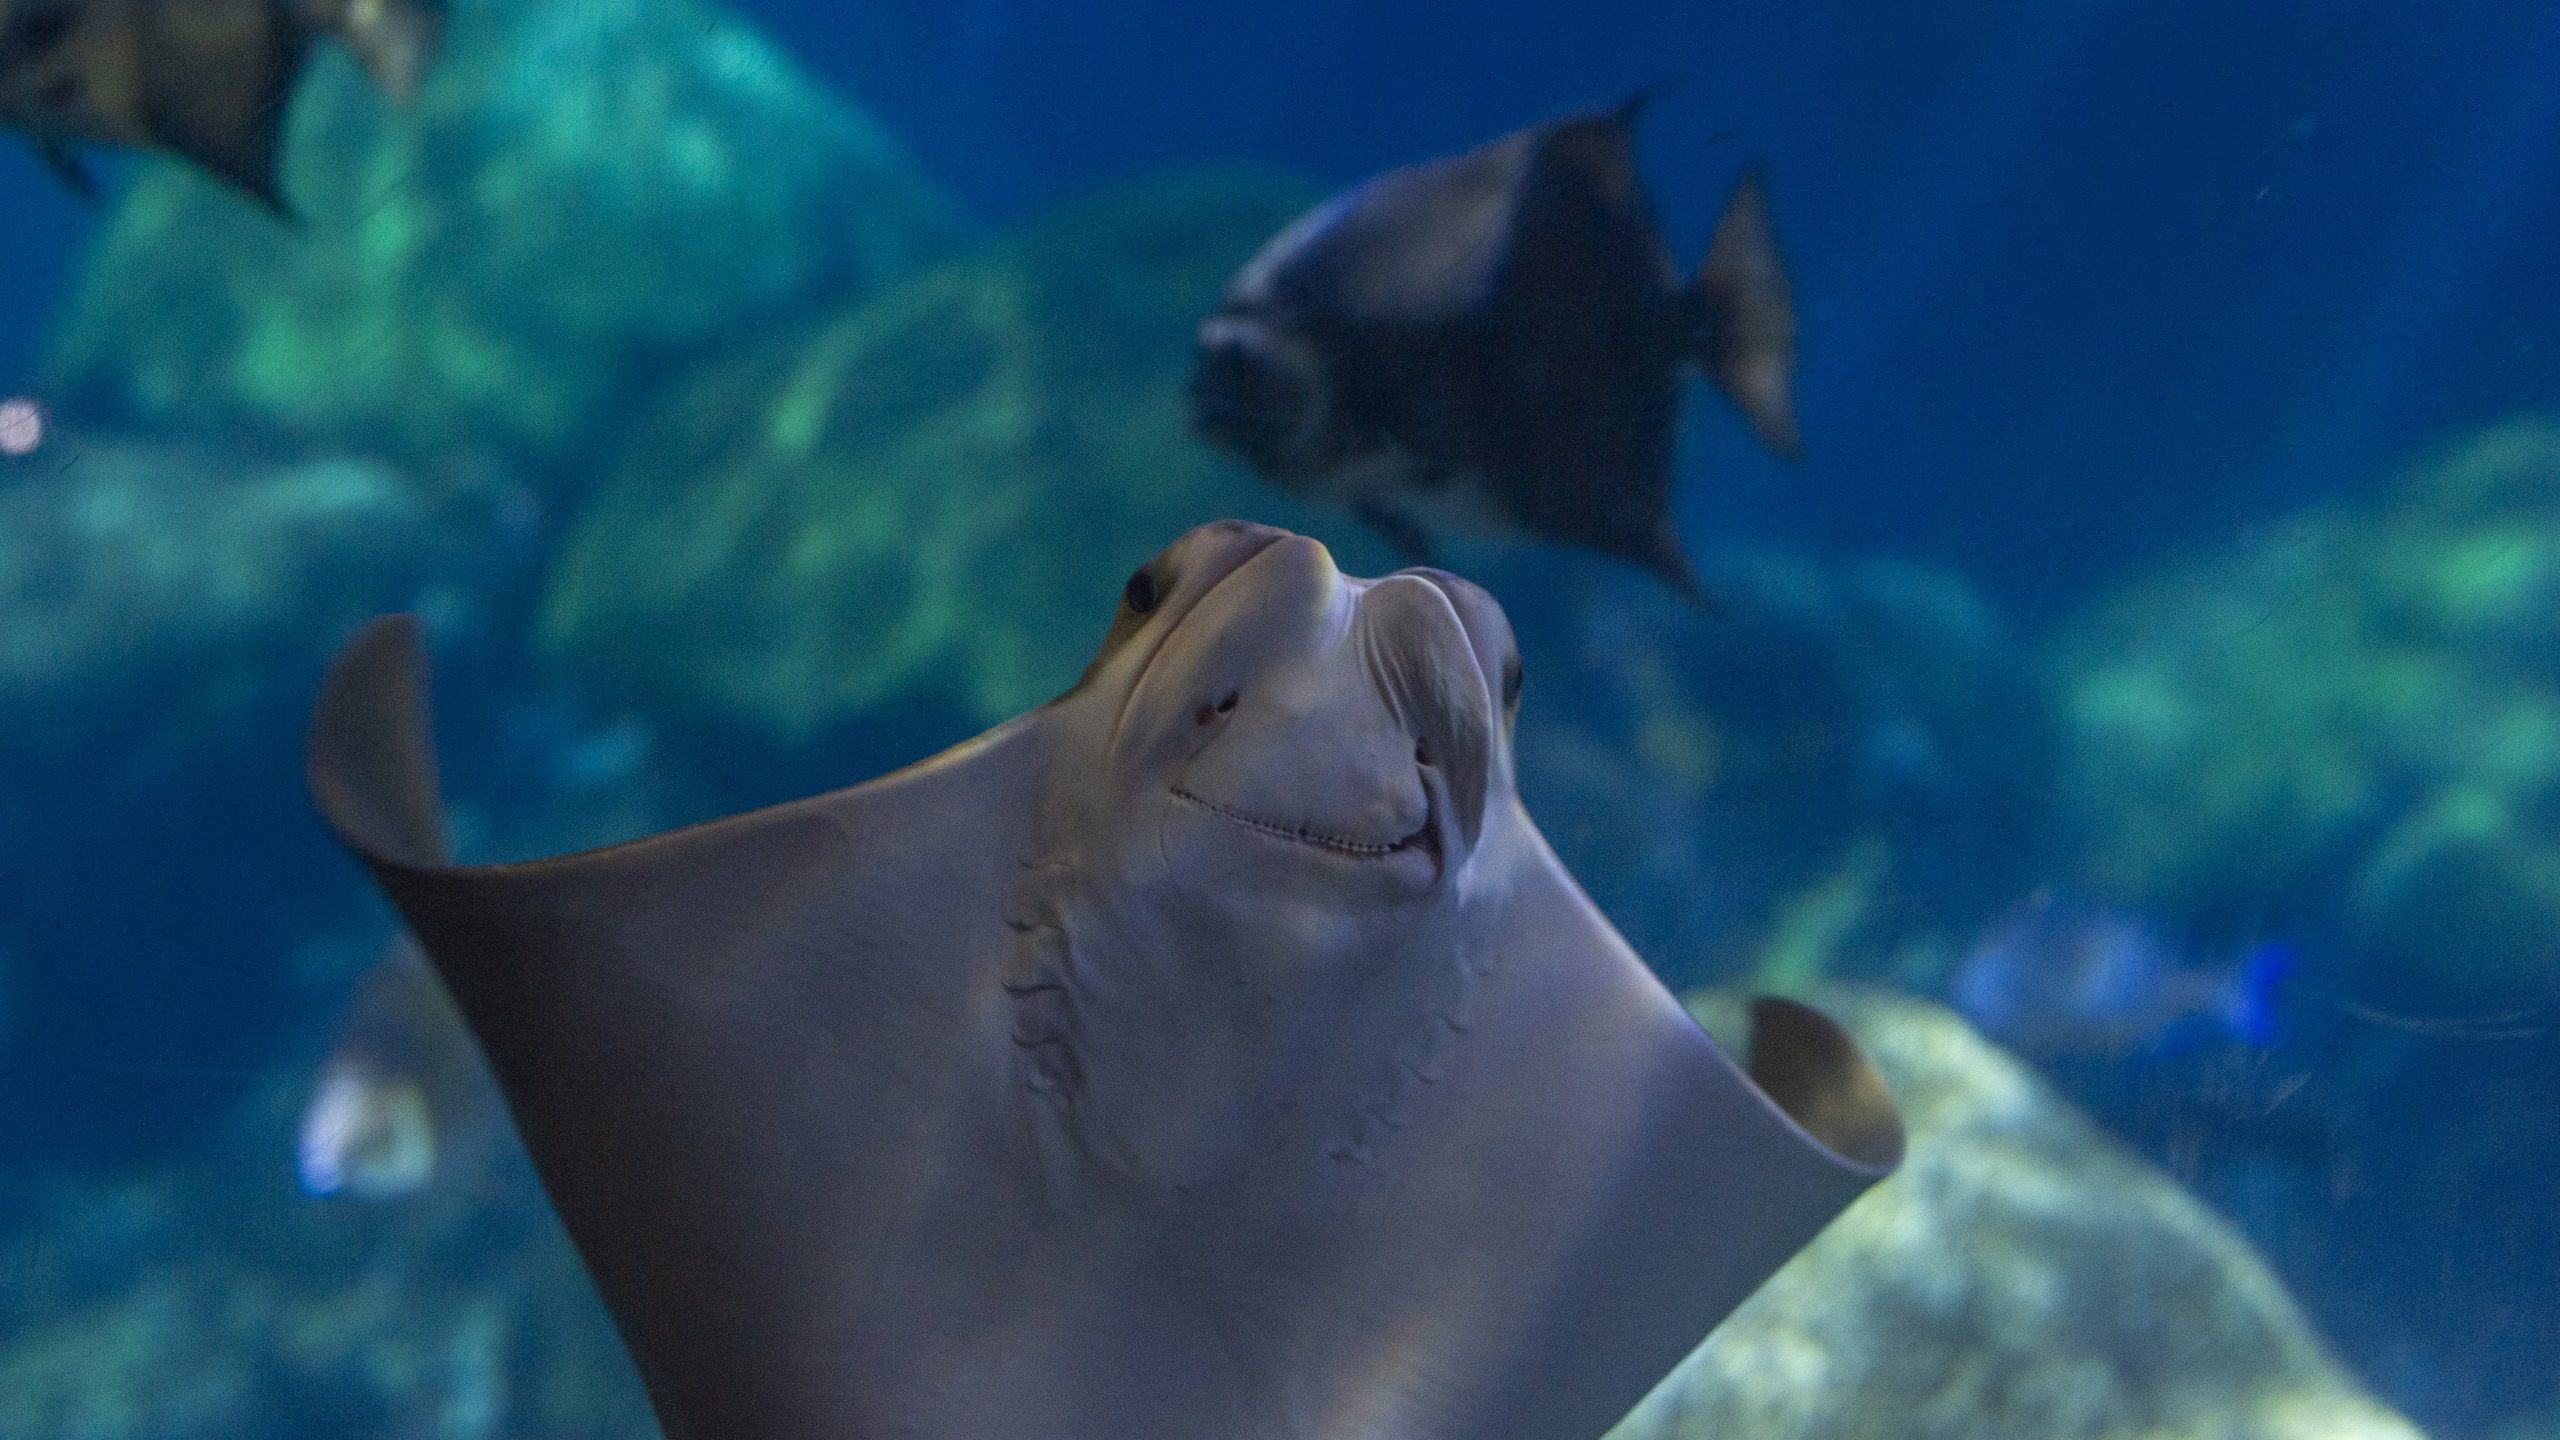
(2139, 714)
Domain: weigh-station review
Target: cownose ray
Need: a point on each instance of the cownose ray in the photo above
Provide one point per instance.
(1215, 1051)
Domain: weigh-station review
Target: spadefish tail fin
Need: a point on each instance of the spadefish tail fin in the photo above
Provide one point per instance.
(1746, 334)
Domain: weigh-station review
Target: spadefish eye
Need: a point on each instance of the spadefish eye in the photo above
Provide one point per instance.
(1142, 594)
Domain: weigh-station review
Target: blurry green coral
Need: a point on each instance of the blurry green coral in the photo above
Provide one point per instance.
(161, 595)
(2021, 1276)
(583, 185)
(934, 494)
(212, 1302)
(169, 608)
(2359, 710)
(1845, 750)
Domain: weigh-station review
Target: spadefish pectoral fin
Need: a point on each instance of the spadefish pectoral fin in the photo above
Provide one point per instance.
(1663, 554)
(1747, 322)
(708, 1038)
(1405, 535)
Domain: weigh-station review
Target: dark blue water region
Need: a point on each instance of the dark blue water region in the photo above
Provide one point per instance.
(2080, 278)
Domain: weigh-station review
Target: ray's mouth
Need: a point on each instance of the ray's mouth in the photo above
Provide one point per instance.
(1425, 839)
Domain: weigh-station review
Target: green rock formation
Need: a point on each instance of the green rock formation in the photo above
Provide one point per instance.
(2021, 1278)
(212, 1301)
(163, 596)
(931, 496)
(583, 185)
(1832, 748)
(2351, 721)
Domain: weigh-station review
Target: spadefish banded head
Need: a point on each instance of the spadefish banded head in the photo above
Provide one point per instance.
(1217, 1050)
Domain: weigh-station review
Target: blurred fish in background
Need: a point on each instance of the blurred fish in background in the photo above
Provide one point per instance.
(205, 80)
(403, 1100)
(21, 427)
(1493, 342)
(2060, 976)
(394, 40)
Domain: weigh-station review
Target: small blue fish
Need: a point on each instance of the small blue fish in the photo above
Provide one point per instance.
(2058, 975)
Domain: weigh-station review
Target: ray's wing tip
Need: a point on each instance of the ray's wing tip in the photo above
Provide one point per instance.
(367, 758)
(384, 653)
(1814, 1070)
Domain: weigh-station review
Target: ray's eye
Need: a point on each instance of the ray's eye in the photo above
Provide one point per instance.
(1142, 595)
(1511, 679)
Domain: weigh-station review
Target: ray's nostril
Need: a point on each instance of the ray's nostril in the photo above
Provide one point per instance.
(1227, 704)
(1422, 753)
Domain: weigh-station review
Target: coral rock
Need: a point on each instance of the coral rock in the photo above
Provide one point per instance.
(2348, 725)
(906, 500)
(581, 185)
(2021, 1276)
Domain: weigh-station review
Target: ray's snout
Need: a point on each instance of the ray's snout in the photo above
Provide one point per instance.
(1291, 726)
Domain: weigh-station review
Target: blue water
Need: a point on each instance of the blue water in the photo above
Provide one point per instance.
(2081, 279)
(2084, 284)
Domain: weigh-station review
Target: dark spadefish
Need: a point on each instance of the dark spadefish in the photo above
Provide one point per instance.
(205, 80)
(1494, 342)
(1217, 1050)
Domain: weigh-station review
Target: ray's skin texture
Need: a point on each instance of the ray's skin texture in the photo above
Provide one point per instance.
(1494, 342)
(205, 80)
(1217, 1050)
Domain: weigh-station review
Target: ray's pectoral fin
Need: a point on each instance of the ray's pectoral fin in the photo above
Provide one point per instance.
(569, 961)
(1811, 1069)
(1746, 318)
(1703, 1177)
(372, 767)
(704, 1036)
